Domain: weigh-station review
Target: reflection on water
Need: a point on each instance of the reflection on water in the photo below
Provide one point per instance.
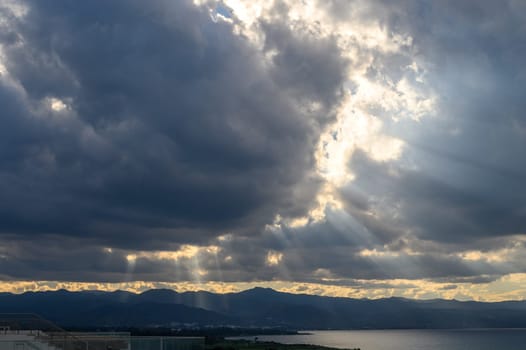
(476, 339)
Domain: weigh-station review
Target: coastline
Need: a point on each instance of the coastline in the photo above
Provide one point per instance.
(243, 344)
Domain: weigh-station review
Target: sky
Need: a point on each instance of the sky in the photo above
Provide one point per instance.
(360, 148)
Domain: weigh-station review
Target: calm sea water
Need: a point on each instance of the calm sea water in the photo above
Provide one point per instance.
(479, 339)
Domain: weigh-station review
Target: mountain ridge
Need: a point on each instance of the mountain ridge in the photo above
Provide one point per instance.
(259, 307)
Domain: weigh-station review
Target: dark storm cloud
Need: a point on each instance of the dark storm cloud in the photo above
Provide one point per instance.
(432, 208)
(337, 262)
(302, 77)
(175, 129)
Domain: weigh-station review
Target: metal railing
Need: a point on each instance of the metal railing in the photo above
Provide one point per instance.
(41, 330)
(32, 332)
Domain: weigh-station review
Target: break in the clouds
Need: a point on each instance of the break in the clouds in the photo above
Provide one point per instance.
(372, 145)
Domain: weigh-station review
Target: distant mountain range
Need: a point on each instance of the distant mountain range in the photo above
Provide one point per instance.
(258, 307)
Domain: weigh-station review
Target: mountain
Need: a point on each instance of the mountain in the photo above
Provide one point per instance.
(259, 307)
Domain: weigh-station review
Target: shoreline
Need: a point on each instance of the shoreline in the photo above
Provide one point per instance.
(243, 344)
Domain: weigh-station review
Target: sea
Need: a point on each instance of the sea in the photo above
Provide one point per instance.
(464, 339)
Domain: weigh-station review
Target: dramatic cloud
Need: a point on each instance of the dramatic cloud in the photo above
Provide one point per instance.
(151, 120)
(348, 147)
